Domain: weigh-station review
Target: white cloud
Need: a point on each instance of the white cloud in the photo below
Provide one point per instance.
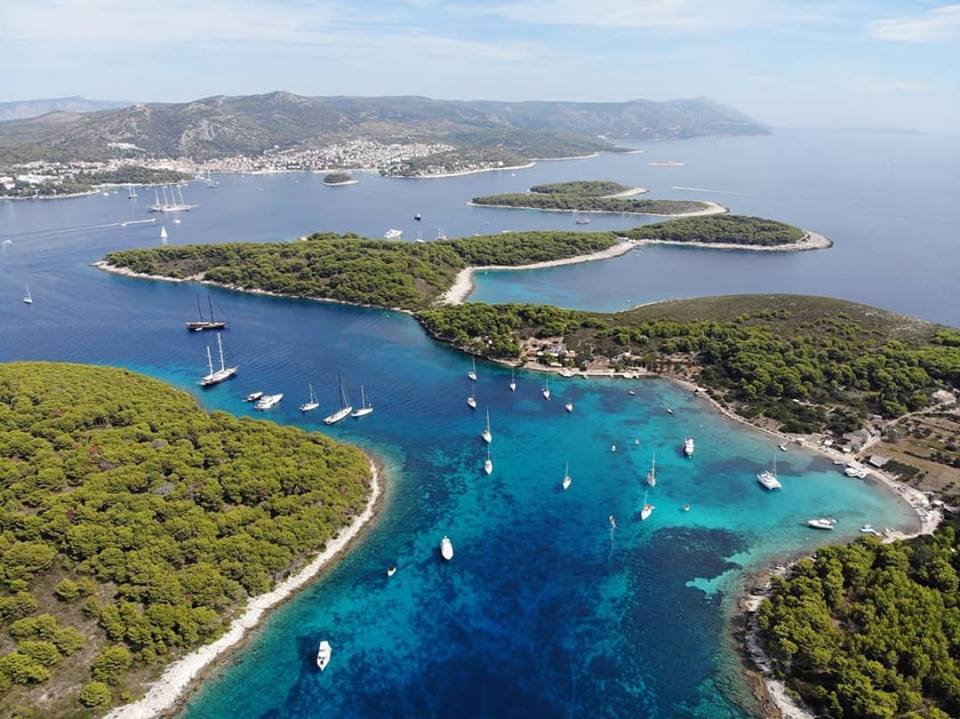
(674, 15)
(937, 25)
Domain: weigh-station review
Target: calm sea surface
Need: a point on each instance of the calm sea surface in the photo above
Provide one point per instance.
(545, 611)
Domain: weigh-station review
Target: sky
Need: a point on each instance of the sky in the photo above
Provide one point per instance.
(800, 63)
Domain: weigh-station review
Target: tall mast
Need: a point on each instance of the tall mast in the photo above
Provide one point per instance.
(210, 302)
(199, 310)
(220, 345)
(209, 360)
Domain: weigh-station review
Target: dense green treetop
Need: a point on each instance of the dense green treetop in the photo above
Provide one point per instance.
(133, 526)
(354, 269)
(574, 201)
(734, 229)
(839, 360)
(586, 188)
(337, 178)
(871, 630)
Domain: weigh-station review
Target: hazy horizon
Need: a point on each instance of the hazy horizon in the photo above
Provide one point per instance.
(823, 64)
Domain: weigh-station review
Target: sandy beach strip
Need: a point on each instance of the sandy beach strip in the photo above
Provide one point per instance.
(167, 691)
(712, 209)
(463, 284)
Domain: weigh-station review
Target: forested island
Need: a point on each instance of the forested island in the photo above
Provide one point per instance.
(350, 268)
(338, 178)
(594, 196)
(721, 229)
(134, 527)
(67, 182)
(870, 630)
(793, 363)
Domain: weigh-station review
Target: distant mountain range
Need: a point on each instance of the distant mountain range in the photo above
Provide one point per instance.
(23, 109)
(252, 124)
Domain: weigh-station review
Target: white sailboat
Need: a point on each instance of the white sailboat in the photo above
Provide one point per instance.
(216, 376)
(568, 406)
(472, 401)
(688, 446)
(567, 479)
(169, 201)
(472, 374)
(486, 434)
(312, 403)
(28, 298)
(419, 237)
(446, 548)
(324, 652)
(365, 408)
(513, 380)
(131, 193)
(652, 474)
(768, 480)
(488, 463)
(345, 407)
(546, 389)
(647, 509)
(441, 235)
(163, 233)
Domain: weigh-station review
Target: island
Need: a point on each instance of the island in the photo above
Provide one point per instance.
(730, 232)
(867, 630)
(338, 179)
(70, 179)
(140, 532)
(596, 196)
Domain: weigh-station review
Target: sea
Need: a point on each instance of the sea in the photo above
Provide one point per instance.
(547, 609)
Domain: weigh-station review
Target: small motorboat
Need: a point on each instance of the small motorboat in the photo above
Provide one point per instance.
(822, 523)
(669, 411)
(324, 652)
(637, 441)
(253, 397)
(418, 217)
(613, 448)
(567, 479)
(783, 447)
(568, 406)
(446, 548)
(631, 392)
(391, 570)
(686, 508)
(613, 521)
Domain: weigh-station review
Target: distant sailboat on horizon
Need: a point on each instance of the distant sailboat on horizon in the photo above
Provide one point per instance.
(28, 298)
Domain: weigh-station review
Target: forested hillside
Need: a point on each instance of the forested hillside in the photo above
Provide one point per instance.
(133, 526)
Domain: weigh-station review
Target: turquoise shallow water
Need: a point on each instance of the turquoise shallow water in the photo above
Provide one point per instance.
(544, 611)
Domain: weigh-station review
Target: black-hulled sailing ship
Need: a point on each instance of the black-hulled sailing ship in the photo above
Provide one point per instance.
(203, 323)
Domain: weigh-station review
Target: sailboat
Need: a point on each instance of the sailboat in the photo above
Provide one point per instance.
(324, 652)
(217, 376)
(568, 406)
(546, 389)
(131, 193)
(365, 408)
(688, 446)
(441, 235)
(419, 237)
(486, 434)
(27, 298)
(472, 401)
(203, 324)
(768, 480)
(647, 509)
(312, 403)
(652, 474)
(472, 374)
(488, 464)
(163, 233)
(513, 380)
(345, 407)
(567, 479)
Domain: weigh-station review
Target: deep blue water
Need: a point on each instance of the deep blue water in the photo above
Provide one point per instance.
(544, 611)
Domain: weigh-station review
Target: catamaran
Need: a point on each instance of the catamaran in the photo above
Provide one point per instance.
(546, 389)
(567, 479)
(647, 509)
(216, 376)
(513, 380)
(204, 324)
(652, 474)
(267, 401)
(768, 479)
(28, 298)
(688, 446)
(365, 408)
(472, 374)
(488, 464)
(486, 433)
(345, 407)
(310, 404)
(324, 652)
(446, 548)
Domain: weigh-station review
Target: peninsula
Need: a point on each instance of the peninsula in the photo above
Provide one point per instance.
(596, 196)
(140, 532)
